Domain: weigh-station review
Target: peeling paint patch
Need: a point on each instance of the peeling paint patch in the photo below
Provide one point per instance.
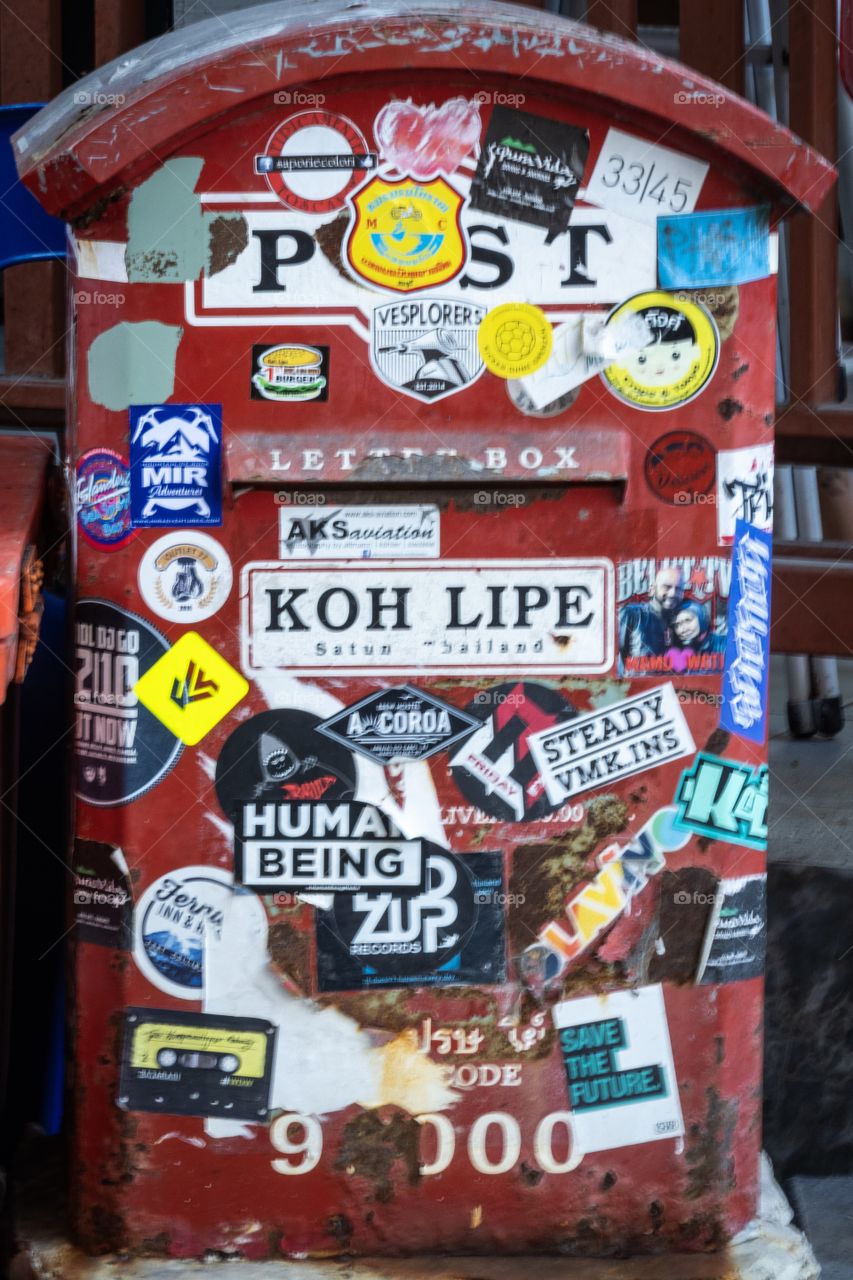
(133, 364)
(228, 235)
(167, 240)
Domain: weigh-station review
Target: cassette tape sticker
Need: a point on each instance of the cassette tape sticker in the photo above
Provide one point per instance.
(194, 1064)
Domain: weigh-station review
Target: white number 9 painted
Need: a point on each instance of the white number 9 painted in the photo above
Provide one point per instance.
(310, 1145)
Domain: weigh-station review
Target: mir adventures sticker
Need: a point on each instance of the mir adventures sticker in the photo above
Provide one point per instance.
(185, 578)
(619, 1069)
(400, 724)
(406, 235)
(175, 465)
(673, 615)
(678, 359)
(529, 169)
(447, 930)
(314, 159)
(427, 348)
(747, 659)
(724, 800)
(102, 499)
(196, 1064)
(121, 749)
(291, 372)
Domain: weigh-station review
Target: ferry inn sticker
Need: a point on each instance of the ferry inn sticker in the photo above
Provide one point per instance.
(185, 579)
(678, 358)
(619, 1069)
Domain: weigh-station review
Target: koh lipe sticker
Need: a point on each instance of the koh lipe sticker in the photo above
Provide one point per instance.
(618, 1060)
(175, 465)
(399, 724)
(530, 169)
(102, 499)
(724, 246)
(736, 938)
(359, 533)
(673, 615)
(196, 1064)
(676, 359)
(725, 800)
(617, 741)
(744, 489)
(747, 658)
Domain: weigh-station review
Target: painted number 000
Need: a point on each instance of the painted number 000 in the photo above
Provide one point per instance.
(308, 1144)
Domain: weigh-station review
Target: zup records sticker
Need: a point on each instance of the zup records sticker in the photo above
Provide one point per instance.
(679, 356)
(191, 688)
(515, 340)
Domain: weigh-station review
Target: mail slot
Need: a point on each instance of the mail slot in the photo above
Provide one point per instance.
(422, 448)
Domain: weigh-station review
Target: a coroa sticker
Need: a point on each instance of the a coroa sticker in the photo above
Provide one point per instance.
(121, 748)
(102, 499)
(175, 464)
(495, 768)
(678, 358)
(427, 348)
(185, 579)
(314, 159)
(406, 235)
(398, 724)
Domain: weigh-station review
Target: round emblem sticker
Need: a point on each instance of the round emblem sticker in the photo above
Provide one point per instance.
(171, 921)
(314, 160)
(185, 579)
(681, 468)
(102, 499)
(515, 339)
(677, 359)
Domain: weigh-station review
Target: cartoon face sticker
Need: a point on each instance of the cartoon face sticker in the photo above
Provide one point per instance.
(676, 361)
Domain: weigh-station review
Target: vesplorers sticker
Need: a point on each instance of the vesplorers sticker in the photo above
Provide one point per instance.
(175, 464)
(515, 339)
(678, 359)
(191, 688)
(426, 347)
(121, 749)
(619, 1069)
(185, 579)
(102, 499)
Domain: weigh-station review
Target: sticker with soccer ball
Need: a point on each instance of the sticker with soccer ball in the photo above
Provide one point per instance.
(515, 339)
(677, 359)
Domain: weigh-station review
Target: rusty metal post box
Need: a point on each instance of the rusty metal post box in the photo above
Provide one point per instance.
(421, 441)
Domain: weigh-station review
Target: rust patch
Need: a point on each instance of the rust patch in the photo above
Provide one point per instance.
(290, 952)
(330, 240)
(228, 235)
(717, 742)
(729, 408)
(438, 467)
(340, 1228)
(709, 1149)
(686, 900)
(371, 1146)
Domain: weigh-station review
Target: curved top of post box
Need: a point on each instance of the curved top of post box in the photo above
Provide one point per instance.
(108, 129)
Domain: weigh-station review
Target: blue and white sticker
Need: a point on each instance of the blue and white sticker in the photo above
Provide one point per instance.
(715, 247)
(747, 657)
(175, 465)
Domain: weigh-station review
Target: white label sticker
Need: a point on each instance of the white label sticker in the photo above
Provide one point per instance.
(643, 179)
(185, 578)
(358, 533)
(598, 748)
(549, 616)
(744, 489)
(620, 1074)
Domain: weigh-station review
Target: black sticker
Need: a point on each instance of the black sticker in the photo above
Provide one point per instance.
(447, 931)
(494, 768)
(196, 1064)
(530, 169)
(736, 939)
(103, 901)
(121, 748)
(291, 371)
(399, 724)
(278, 757)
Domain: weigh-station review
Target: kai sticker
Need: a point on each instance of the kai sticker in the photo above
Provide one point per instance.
(515, 339)
(678, 358)
(185, 579)
(406, 235)
(724, 800)
(313, 160)
(191, 688)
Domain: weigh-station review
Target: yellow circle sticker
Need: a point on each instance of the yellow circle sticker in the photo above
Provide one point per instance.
(515, 339)
(671, 347)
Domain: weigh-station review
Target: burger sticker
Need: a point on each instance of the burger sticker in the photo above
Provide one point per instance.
(288, 372)
(677, 358)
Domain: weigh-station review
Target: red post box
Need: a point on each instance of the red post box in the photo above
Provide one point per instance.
(422, 434)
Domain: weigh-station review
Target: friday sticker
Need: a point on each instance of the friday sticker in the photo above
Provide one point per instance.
(121, 749)
(185, 579)
(724, 800)
(406, 235)
(314, 159)
(679, 356)
(515, 339)
(175, 465)
(672, 616)
(744, 489)
(619, 1068)
(614, 742)
(427, 348)
(401, 724)
(747, 666)
(102, 499)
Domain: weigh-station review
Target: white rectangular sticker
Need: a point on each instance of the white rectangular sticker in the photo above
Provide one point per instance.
(643, 179)
(622, 739)
(549, 616)
(620, 1073)
(744, 489)
(335, 866)
(358, 533)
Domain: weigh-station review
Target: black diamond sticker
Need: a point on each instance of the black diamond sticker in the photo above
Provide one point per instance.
(398, 724)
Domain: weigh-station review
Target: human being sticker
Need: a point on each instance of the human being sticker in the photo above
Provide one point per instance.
(678, 358)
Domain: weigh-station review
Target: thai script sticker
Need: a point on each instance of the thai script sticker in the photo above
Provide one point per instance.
(643, 179)
(725, 800)
(358, 533)
(515, 339)
(744, 489)
(191, 688)
(175, 465)
(121, 748)
(747, 658)
(314, 159)
(185, 578)
(406, 235)
(102, 499)
(679, 356)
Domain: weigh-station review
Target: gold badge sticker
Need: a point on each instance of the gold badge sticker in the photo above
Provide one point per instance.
(676, 358)
(191, 688)
(406, 235)
(515, 339)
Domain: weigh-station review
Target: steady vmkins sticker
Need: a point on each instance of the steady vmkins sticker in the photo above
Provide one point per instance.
(121, 748)
(678, 358)
(185, 579)
(102, 499)
(515, 339)
(314, 159)
(398, 724)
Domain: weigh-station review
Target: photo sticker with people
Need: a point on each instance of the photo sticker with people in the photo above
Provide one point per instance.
(672, 615)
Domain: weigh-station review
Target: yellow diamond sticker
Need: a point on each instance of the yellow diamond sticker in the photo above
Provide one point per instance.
(191, 688)
(515, 339)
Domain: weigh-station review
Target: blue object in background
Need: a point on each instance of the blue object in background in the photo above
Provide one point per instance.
(718, 247)
(27, 233)
(747, 660)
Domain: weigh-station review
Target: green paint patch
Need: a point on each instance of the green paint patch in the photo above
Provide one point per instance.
(167, 234)
(133, 364)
